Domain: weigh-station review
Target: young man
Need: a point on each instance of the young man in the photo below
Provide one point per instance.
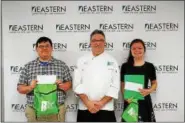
(45, 64)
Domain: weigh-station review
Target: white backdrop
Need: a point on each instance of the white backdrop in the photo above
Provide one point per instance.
(69, 24)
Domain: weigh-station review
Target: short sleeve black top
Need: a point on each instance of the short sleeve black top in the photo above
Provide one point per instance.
(147, 69)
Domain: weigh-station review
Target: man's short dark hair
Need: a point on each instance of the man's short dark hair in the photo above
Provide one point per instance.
(97, 32)
(44, 39)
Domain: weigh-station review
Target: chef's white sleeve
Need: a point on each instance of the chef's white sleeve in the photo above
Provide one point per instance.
(114, 87)
(77, 81)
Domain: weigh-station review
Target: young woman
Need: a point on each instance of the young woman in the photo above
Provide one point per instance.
(136, 65)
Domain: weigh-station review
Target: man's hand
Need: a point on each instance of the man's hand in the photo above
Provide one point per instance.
(33, 84)
(88, 103)
(58, 82)
(99, 105)
(92, 107)
(63, 86)
(25, 89)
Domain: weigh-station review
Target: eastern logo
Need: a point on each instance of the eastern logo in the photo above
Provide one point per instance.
(95, 9)
(28, 28)
(57, 47)
(165, 106)
(167, 69)
(84, 46)
(48, 10)
(116, 27)
(16, 69)
(119, 106)
(149, 45)
(71, 107)
(139, 9)
(18, 107)
(156, 27)
(73, 28)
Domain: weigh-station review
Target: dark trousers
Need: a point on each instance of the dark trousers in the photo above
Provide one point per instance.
(100, 116)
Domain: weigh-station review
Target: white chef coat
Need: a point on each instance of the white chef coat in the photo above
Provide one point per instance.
(96, 77)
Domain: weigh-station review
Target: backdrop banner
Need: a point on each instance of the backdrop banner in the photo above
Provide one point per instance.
(69, 24)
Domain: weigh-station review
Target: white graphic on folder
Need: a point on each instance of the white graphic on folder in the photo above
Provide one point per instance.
(46, 79)
(133, 86)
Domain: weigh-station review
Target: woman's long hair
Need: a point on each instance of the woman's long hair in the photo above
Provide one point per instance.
(130, 59)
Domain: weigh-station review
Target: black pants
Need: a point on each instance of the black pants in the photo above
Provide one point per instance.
(100, 116)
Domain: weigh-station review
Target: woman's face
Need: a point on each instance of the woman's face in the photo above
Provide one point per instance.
(137, 50)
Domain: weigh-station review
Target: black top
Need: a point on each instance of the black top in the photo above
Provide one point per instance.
(147, 69)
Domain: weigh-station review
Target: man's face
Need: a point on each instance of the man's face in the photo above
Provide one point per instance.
(97, 44)
(44, 50)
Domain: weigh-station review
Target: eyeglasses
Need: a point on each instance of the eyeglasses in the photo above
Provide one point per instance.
(101, 40)
(44, 46)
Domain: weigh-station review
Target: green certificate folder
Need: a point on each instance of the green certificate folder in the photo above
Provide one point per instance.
(132, 84)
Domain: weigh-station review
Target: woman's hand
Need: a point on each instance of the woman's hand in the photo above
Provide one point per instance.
(145, 92)
(129, 100)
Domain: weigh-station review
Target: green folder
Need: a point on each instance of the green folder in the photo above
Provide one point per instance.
(134, 81)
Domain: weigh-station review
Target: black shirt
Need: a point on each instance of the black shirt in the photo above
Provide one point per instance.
(147, 69)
